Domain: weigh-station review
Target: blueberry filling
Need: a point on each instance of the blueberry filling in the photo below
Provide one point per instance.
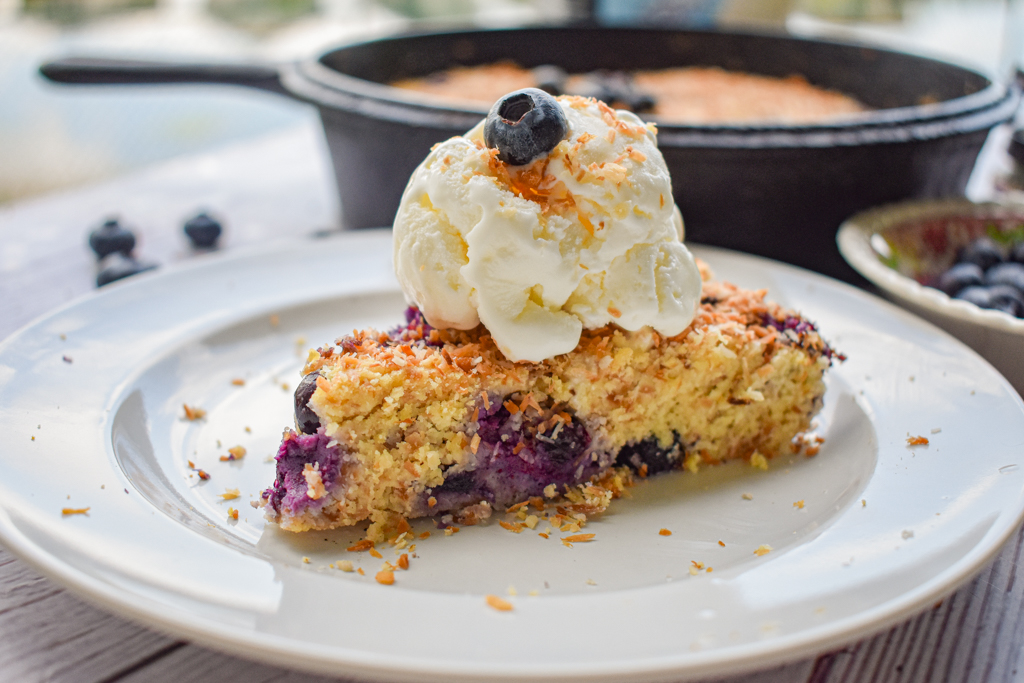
(524, 126)
(518, 456)
(289, 492)
(305, 419)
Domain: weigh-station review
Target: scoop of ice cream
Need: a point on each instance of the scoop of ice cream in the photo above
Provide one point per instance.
(587, 236)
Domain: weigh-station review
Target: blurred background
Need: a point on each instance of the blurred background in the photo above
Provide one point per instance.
(53, 138)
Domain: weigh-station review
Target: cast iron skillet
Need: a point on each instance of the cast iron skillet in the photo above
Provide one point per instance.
(774, 190)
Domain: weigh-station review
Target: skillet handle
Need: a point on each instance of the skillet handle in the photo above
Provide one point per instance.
(101, 71)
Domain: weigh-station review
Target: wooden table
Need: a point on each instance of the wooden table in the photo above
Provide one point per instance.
(283, 186)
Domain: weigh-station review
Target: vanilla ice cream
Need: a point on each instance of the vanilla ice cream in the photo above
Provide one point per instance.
(585, 237)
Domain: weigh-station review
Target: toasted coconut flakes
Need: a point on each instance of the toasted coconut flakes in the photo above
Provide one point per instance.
(314, 482)
(193, 413)
(475, 443)
(74, 511)
(614, 312)
(763, 549)
(403, 561)
(542, 534)
(747, 496)
(425, 534)
(499, 604)
(799, 505)
(511, 407)
(514, 528)
(275, 320)
(579, 538)
(518, 506)
(376, 553)
(403, 526)
(233, 513)
(721, 543)
(431, 502)
(917, 441)
(698, 565)
(365, 544)
(385, 577)
(486, 399)
(230, 494)
(238, 382)
(361, 572)
(665, 532)
(518, 448)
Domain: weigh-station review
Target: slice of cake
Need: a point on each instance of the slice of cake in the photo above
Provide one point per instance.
(561, 337)
(423, 421)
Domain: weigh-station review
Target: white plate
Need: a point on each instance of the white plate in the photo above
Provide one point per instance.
(885, 529)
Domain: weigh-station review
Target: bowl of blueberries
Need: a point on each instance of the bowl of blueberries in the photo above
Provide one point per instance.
(956, 263)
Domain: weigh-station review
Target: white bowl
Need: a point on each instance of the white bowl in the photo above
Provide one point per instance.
(901, 247)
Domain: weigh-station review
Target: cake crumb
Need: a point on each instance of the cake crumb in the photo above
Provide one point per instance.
(664, 532)
(907, 534)
(305, 560)
(193, 413)
(917, 441)
(275, 320)
(230, 494)
(863, 502)
(345, 566)
(799, 505)
(693, 571)
(758, 460)
(531, 521)
(403, 561)
(499, 604)
(591, 582)
(238, 382)
(936, 430)
(763, 549)
(747, 496)
(385, 577)
(234, 453)
(233, 514)
(512, 591)
(450, 530)
(74, 511)
(550, 491)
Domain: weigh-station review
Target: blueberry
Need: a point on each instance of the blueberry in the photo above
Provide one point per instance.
(550, 79)
(305, 419)
(118, 267)
(959, 276)
(1006, 274)
(202, 231)
(1017, 253)
(111, 238)
(983, 252)
(1008, 299)
(979, 296)
(524, 126)
(456, 482)
(649, 452)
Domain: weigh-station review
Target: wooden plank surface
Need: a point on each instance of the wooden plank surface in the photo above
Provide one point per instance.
(282, 187)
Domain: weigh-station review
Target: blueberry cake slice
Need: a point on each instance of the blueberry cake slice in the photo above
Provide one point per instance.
(428, 422)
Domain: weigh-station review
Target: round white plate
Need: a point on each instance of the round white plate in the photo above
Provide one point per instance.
(92, 417)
